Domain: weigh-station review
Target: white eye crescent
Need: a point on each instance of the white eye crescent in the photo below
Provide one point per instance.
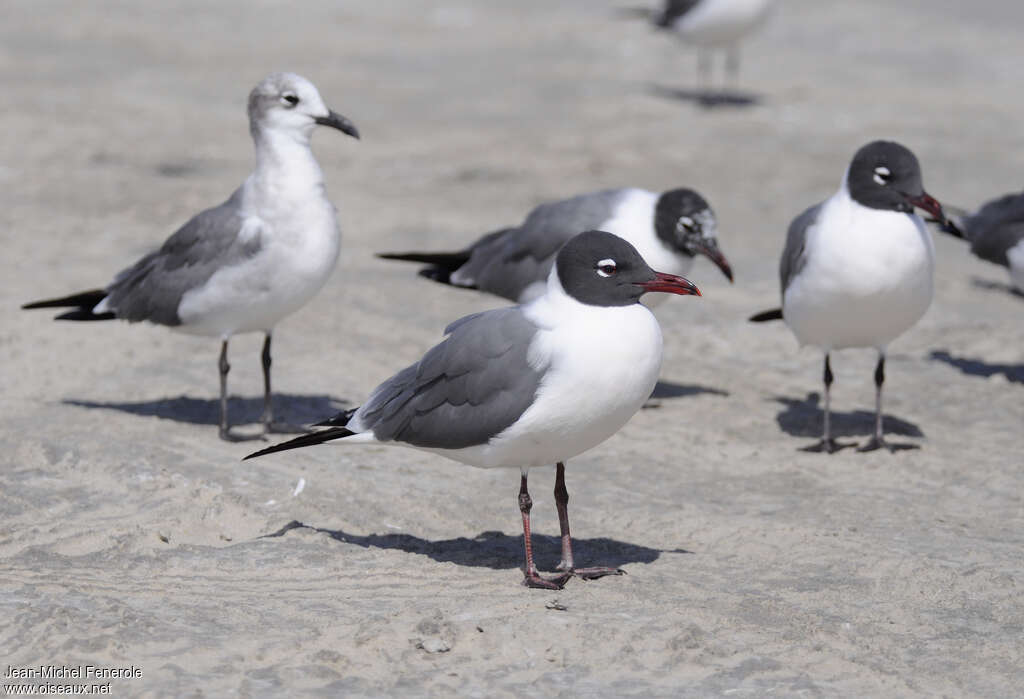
(606, 267)
(685, 222)
(882, 174)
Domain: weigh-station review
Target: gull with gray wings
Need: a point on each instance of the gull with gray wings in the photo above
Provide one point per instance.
(667, 229)
(857, 269)
(530, 385)
(244, 265)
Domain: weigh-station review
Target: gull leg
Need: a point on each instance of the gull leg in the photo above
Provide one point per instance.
(531, 577)
(732, 66)
(877, 441)
(268, 405)
(224, 368)
(704, 71)
(567, 564)
(827, 443)
(224, 431)
(269, 425)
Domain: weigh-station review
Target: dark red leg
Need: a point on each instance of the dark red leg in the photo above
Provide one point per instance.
(567, 564)
(532, 577)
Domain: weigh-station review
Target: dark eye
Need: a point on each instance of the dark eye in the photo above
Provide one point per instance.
(290, 100)
(607, 267)
(882, 175)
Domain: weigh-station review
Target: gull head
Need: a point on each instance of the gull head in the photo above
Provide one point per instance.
(289, 103)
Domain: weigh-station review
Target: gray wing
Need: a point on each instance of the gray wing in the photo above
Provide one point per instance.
(996, 228)
(674, 9)
(464, 391)
(793, 255)
(152, 288)
(506, 264)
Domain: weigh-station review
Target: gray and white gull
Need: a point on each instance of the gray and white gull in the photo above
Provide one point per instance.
(529, 385)
(244, 265)
(857, 268)
(668, 229)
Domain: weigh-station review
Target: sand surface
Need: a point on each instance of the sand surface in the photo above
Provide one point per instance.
(131, 536)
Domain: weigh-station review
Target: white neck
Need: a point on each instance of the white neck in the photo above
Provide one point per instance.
(285, 166)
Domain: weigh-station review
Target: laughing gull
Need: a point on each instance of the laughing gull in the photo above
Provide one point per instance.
(714, 24)
(667, 229)
(857, 268)
(996, 234)
(246, 264)
(528, 385)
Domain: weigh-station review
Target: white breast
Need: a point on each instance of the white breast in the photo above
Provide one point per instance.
(867, 278)
(717, 22)
(602, 364)
(299, 243)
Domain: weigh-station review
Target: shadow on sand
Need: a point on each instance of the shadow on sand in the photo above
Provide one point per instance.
(669, 389)
(805, 418)
(977, 367)
(296, 408)
(494, 549)
(990, 285)
(708, 99)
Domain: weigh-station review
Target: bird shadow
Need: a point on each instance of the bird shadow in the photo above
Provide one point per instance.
(976, 367)
(990, 285)
(707, 98)
(670, 389)
(293, 407)
(805, 418)
(493, 549)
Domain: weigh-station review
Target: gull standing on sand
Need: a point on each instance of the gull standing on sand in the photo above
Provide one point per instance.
(246, 264)
(668, 229)
(714, 24)
(530, 385)
(857, 268)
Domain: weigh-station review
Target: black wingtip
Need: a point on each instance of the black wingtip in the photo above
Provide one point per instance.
(306, 440)
(339, 420)
(763, 316)
(446, 260)
(85, 299)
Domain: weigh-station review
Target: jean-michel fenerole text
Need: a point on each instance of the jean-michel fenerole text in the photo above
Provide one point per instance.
(80, 672)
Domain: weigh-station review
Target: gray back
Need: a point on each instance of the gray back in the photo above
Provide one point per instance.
(508, 263)
(996, 228)
(152, 288)
(464, 391)
(793, 255)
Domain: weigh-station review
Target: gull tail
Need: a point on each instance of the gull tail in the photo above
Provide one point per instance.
(306, 440)
(83, 304)
(764, 316)
(441, 264)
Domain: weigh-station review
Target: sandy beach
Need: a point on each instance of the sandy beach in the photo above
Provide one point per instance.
(132, 537)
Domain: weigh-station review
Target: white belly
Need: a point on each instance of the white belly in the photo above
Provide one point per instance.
(867, 280)
(601, 372)
(721, 22)
(295, 259)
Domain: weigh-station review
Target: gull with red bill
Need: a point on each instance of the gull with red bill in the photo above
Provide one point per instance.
(857, 268)
(530, 385)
